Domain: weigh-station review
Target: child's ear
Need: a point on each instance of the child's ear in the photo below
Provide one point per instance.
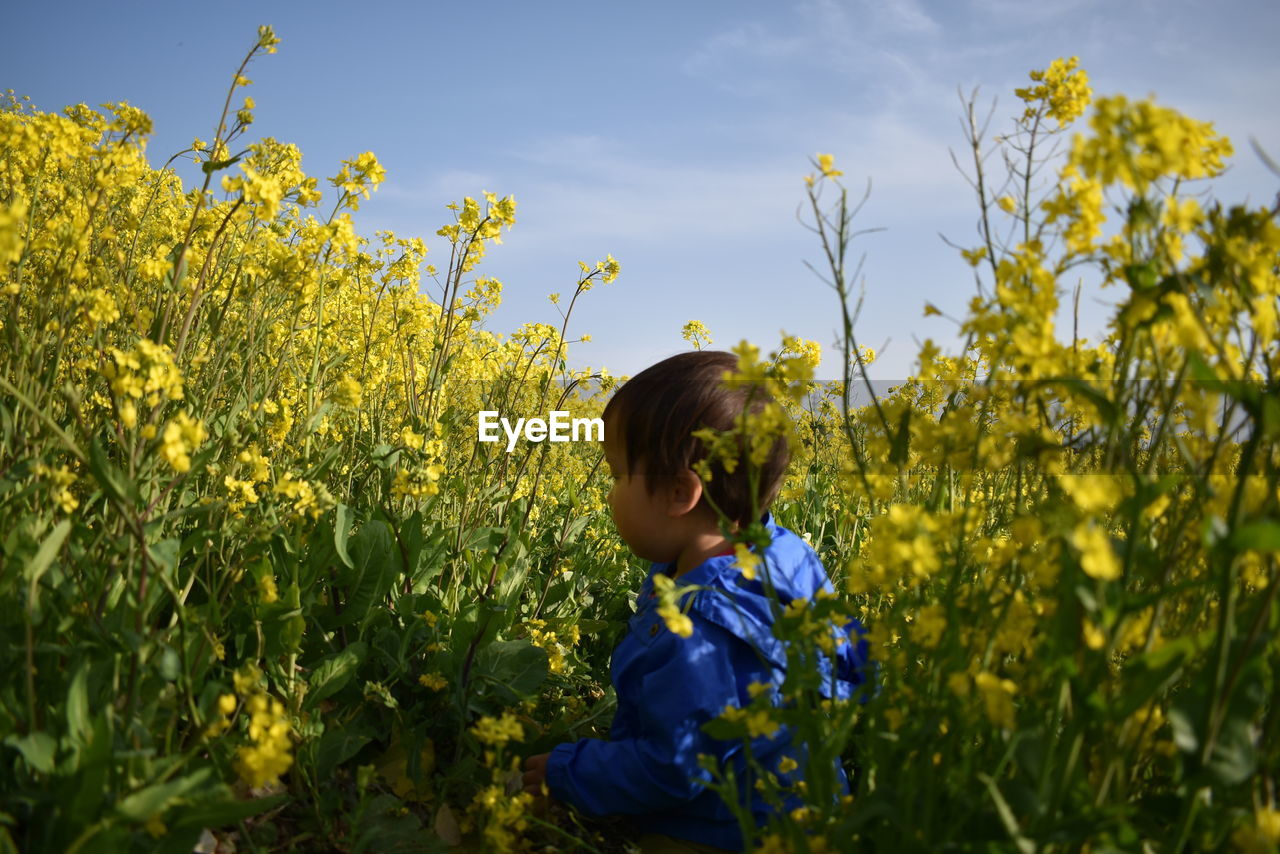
(685, 494)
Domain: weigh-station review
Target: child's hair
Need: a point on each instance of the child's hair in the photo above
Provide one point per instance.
(658, 409)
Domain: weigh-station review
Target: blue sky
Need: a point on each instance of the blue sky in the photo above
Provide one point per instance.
(674, 135)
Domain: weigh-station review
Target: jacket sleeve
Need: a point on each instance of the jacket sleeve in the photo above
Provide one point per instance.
(684, 682)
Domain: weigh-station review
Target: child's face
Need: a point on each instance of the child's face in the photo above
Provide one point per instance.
(642, 519)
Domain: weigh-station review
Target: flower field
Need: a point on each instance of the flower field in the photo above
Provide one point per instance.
(262, 588)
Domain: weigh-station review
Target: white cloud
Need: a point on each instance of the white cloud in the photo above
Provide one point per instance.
(437, 189)
(744, 40)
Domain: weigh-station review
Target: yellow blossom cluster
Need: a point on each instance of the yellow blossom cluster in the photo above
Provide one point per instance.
(182, 435)
(146, 373)
(60, 481)
(504, 817)
(499, 731)
(1063, 91)
(669, 605)
(270, 753)
(433, 681)
(556, 644)
(1136, 144)
(697, 334)
(756, 722)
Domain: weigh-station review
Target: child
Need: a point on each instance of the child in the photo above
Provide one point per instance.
(667, 685)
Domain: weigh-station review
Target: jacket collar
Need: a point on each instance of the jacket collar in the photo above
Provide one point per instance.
(706, 570)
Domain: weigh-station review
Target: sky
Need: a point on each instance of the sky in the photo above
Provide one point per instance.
(673, 135)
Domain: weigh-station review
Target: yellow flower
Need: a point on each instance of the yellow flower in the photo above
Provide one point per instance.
(746, 560)
(758, 722)
(246, 679)
(1064, 91)
(181, 436)
(60, 481)
(696, 333)
(929, 624)
(676, 621)
(997, 696)
(348, 393)
(268, 756)
(610, 267)
(1139, 143)
(1097, 558)
(496, 732)
(155, 826)
(433, 681)
(1007, 204)
(1093, 636)
(267, 39)
(827, 165)
(1092, 493)
(267, 591)
(12, 224)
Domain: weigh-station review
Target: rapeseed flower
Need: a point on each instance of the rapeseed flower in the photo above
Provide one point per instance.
(757, 722)
(497, 732)
(182, 435)
(1063, 92)
(1097, 558)
(269, 755)
(433, 681)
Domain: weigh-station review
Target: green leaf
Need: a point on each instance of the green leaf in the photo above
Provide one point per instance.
(332, 674)
(1141, 277)
(1235, 756)
(376, 566)
(79, 727)
(341, 530)
(143, 804)
(40, 562)
(576, 527)
(1148, 675)
(1200, 370)
(384, 456)
(38, 748)
(516, 668)
(337, 746)
(165, 554)
(1262, 536)
(223, 813)
(112, 481)
(382, 827)
(170, 665)
(901, 440)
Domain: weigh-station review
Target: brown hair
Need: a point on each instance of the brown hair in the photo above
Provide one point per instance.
(659, 408)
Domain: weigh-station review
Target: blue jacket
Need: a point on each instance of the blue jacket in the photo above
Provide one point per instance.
(668, 686)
